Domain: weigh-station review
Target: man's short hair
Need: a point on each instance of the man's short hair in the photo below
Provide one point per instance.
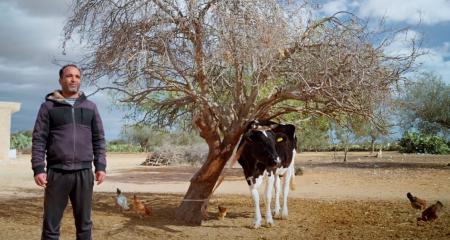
(61, 71)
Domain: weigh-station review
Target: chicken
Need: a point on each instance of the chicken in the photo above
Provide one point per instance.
(140, 208)
(222, 212)
(416, 202)
(431, 213)
(121, 201)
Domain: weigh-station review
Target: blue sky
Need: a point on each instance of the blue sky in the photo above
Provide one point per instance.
(31, 41)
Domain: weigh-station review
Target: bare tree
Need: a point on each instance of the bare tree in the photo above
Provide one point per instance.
(221, 64)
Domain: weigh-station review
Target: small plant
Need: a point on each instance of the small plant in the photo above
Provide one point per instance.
(21, 141)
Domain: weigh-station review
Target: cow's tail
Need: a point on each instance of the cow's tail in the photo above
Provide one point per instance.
(292, 184)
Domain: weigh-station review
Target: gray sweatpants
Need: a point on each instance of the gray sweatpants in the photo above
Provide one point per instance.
(64, 185)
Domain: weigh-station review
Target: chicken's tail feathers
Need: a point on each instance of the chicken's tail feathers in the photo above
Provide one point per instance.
(409, 196)
(292, 183)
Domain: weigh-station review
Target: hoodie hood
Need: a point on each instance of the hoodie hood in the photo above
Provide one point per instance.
(56, 96)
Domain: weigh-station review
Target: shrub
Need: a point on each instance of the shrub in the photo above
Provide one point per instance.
(169, 154)
(123, 147)
(420, 143)
(21, 141)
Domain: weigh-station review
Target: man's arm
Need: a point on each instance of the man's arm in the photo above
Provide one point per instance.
(99, 147)
(39, 140)
(38, 147)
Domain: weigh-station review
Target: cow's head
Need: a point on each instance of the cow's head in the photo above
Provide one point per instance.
(261, 142)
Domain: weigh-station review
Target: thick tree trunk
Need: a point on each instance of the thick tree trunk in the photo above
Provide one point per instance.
(204, 180)
(201, 187)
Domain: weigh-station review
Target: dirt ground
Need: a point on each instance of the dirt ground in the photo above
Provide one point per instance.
(364, 198)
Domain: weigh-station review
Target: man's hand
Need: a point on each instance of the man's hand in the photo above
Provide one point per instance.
(99, 177)
(41, 179)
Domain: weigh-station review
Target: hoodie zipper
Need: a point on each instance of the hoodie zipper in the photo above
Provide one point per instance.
(74, 131)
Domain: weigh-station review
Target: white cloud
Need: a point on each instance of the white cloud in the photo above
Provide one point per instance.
(332, 7)
(445, 49)
(41, 8)
(402, 42)
(435, 59)
(437, 62)
(412, 11)
(26, 38)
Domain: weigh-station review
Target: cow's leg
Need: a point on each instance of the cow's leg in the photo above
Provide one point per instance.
(277, 208)
(268, 199)
(255, 195)
(286, 180)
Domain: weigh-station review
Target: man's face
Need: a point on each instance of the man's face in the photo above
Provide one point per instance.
(70, 80)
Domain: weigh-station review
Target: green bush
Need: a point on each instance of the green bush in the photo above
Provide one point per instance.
(393, 147)
(20, 141)
(412, 142)
(150, 138)
(121, 147)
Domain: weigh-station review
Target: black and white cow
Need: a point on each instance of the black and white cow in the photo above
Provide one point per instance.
(268, 150)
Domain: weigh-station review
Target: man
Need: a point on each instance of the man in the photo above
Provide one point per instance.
(69, 131)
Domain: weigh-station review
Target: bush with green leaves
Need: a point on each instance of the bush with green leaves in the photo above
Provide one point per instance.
(149, 138)
(412, 142)
(21, 140)
(123, 147)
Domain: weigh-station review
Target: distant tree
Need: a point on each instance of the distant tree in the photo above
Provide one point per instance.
(374, 130)
(354, 128)
(219, 65)
(425, 105)
(313, 133)
(346, 130)
(149, 138)
(145, 136)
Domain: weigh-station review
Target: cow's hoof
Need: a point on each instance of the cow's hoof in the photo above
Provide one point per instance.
(256, 225)
(276, 215)
(284, 216)
(270, 223)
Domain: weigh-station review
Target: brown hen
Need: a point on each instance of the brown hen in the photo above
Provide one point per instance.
(222, 212)
(140, 208)
(416, 202)
(431, 213)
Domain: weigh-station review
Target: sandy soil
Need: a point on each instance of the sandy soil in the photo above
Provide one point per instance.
(363, 198)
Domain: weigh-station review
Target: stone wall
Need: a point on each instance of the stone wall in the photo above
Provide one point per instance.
(6, 110)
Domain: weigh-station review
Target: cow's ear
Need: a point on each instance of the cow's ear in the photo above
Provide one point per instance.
(248, 136)
(274, 125)
(287, 129)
